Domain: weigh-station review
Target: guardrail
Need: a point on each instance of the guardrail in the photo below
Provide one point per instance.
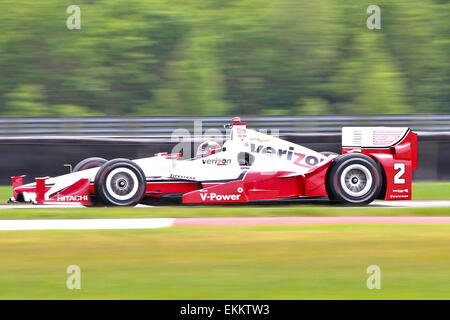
(164, 126)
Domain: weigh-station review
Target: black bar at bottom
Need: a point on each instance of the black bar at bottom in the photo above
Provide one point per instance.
(224, 309)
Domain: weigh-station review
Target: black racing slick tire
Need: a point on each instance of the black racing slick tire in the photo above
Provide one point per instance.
(120, 182)
(353, 178)
(89, 163)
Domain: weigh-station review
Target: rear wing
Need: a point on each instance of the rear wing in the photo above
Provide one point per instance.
(394, 148)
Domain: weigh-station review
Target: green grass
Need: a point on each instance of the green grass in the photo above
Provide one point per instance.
(212, 211)
(309, 262)
(431, 190)
(5, 194)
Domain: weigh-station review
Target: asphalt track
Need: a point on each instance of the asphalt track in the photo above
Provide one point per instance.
(151, 223)
(377, 203)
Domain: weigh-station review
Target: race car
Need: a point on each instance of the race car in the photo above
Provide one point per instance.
(376, 163)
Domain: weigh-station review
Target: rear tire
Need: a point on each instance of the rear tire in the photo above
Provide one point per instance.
(120, 182)
(89, 163)
(353, 178)
(327, 153)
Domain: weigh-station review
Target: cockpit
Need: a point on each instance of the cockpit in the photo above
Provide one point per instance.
(208, 148)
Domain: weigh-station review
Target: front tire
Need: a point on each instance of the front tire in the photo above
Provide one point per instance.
(89, 163)
(120, 182)
(353, 179)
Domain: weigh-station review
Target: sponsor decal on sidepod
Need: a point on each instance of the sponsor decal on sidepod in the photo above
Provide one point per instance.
(290, 155)
(212, 196)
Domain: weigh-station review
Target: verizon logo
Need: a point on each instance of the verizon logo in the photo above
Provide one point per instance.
(219, 162)
(290, 155)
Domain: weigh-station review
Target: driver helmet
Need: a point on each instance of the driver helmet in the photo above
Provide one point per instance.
(207, 148)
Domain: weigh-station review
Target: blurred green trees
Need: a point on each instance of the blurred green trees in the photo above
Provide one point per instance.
(211, 57)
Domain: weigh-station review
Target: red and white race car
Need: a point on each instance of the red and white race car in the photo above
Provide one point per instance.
(376, 163)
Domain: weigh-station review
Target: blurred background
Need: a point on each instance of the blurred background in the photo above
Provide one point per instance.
(212, 57)
(138, 69)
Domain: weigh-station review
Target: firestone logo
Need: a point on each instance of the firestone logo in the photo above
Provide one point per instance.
(72, 198)
(212, 196)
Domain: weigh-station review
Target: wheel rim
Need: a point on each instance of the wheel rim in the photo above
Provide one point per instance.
(356, 180)
(122, 184)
